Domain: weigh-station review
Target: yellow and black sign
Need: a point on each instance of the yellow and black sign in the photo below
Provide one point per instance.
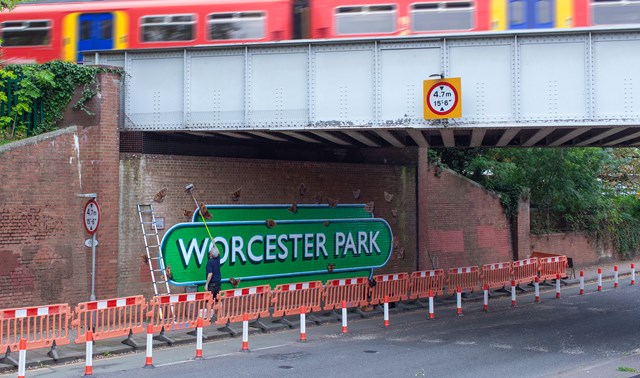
(442, 98)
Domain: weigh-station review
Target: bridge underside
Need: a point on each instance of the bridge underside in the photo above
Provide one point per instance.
(451, 136)
(549, 88)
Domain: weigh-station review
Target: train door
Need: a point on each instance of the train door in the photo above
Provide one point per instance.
(531, 14)
(95, 32)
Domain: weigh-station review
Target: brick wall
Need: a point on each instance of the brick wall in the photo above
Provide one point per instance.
(465, 224)
(572, 244)
(41, 218)
(261, 182)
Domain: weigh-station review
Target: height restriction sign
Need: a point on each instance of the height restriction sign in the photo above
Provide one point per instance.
(441, 98)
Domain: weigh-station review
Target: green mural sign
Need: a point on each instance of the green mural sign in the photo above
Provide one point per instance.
(310, 244)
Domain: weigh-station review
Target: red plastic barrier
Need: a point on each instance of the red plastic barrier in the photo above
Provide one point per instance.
(40, 326)
(109, 318)
(525, 271)
(393, 286)
(289, 298)
(550, 267)
(497, 275)
(353, 291)
(250, 301)
(179, 311)
(467, 278)
(425, 280)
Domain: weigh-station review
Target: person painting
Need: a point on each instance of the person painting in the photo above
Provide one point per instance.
(213, 271)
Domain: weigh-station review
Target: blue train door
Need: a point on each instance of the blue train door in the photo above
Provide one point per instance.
(95, 32)
(531, 14)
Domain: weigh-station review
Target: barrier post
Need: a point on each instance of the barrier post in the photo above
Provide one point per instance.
(513, 293)
(599, 279)
(344, 317)
(486, 297)
(558, 285)
(386, 311)
(88, 369)
(615, 276)
(303, 324)
(633, 274)
(581, 282)
(199, 339)
(22, 358)
(148, 364)
(459, 301)
(536, 285)
(245, 332)
(431, 314)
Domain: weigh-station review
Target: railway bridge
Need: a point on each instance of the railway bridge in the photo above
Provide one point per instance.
(555, 88)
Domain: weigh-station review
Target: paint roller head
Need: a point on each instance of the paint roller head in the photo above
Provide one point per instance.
(188, 188)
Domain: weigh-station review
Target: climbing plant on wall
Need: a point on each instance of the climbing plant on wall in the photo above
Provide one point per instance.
(33, 97)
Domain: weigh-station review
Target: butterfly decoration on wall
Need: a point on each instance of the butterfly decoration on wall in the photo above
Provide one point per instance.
(369, 207)
(205, 212)
(271, 223)
(356, 193)
(294, 208)
(388, 197)
(302, 189)
(332, 202)
(330, 267)
(235, 196)
(159, 197)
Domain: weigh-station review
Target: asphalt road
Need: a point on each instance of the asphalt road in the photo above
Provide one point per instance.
(593, 335)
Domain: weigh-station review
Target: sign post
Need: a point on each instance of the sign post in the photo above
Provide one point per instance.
(91, 223)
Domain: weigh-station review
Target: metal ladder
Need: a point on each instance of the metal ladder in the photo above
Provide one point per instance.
(152, 247)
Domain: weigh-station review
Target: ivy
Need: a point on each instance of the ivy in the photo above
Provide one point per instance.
(52, 83)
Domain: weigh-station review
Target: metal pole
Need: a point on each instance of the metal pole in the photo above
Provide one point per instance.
(92, 297)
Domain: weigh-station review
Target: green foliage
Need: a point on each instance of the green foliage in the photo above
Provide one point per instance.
(583, 189)
(53, 83)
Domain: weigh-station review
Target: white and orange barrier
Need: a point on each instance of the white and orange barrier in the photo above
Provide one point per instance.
(290, 299)
(525, 271)
(426, 283)
(352, 292)
(119, 317)
(495, 276)
(41, 327)
(233, 305)
(467, 278)
(394, 287)
(178, 311)
(550, 267)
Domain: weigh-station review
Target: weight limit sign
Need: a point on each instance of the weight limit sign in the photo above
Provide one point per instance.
(442, 98)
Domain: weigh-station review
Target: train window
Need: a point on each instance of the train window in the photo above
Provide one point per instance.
(366, 19)
(517, 12)
(608, 12)
(237, 25)
(26, 33)
(452, 15)
(167, 28)
(543, 12)
(106, 29)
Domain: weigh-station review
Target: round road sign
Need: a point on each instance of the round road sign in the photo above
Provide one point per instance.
(91, 216)
(442, 98)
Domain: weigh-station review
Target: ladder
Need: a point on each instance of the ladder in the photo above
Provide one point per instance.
(152, 247)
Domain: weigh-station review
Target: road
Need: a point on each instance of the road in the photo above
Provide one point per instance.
(593, 335)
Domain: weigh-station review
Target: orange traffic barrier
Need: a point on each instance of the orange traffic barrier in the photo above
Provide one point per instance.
(234, 304)
(425, 282)
(41, 327)
(349, 292)
(395, 287)
(550, 267)
(179, 311)
(110, 318)
(495, 276)
(289, 299)
(467, 278)
(525, 271)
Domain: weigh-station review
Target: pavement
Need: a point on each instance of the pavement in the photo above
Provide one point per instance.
(72, 353)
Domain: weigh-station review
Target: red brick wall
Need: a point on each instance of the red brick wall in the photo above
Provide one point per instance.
(574, 245)
(261, 182)
(41, 218)
(464, 224)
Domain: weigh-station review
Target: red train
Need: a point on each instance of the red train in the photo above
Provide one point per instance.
(47, 31)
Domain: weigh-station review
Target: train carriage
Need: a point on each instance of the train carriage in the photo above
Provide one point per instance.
(41, 32)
